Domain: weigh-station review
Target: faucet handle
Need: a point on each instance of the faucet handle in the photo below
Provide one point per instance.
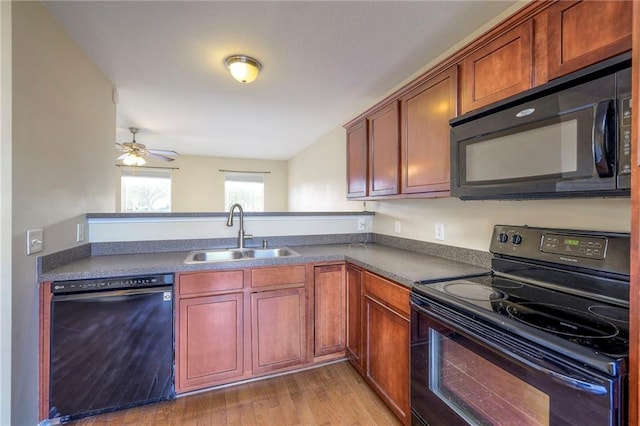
(248, 236)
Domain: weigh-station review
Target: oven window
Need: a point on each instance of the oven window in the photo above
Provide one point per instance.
(479, 391)
(541, 151)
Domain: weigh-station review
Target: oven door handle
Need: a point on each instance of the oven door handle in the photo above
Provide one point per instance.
(519, 355)
(573, 382)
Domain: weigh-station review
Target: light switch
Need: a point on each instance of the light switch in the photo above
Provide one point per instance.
(35, 241)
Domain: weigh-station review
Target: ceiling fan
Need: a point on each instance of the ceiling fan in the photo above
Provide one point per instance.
(135, 152)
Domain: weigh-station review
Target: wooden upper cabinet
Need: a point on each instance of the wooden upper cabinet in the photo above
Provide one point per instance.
(426, 111)
(499, 69)
(384, 150)
(582, 33)
(357, 153)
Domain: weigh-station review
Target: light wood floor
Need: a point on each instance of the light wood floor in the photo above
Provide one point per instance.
(334, 394)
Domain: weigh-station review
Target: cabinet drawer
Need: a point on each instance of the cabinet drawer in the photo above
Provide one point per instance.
(387, 292)
(209, 282)
(287, 275)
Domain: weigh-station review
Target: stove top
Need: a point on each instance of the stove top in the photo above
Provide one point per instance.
(558, 290)
(593, 324)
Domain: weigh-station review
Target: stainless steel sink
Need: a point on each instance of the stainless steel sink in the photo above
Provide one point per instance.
(229, 255)
(213, 256)
(269, 253)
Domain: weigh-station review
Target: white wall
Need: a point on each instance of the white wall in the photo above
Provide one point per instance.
(186, 228)
(198, 184)
(5, 212)
(317, 176)
(469, 223)
(63, 131)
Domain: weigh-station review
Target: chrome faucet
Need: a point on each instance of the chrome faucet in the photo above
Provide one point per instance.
(241, 235)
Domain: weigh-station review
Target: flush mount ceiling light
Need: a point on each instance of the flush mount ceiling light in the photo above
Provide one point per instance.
(243, 68)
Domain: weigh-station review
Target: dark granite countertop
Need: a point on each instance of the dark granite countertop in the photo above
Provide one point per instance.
(402, 266)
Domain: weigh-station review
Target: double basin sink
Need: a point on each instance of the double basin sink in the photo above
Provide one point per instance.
(228, 255)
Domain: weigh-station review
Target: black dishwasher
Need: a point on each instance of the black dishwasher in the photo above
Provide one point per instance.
(111, 344)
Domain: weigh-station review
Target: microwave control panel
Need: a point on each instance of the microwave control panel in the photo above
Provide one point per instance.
(624, 156)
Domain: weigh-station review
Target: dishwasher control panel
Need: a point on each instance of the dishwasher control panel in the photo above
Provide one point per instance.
(116, 283)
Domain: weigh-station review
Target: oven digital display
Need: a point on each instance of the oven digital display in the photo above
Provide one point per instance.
(575, 246)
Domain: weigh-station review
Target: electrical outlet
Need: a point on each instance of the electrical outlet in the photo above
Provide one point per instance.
(398, 227)
(440, 231)
(362, 225)
(35, 241)
(80, 232)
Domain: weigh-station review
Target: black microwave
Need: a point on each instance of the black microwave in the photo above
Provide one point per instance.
(567, 138)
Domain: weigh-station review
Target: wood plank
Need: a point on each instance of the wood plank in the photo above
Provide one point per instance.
(331, 394)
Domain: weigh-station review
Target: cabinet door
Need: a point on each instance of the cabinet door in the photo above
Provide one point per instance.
(384, 151)
(499, 69)
(210, 341)
(330, 312)
(387, 356)
(387, 339)
(278, 329)
(426, 112)
(357, 160)
(354, 316)
(582, 33)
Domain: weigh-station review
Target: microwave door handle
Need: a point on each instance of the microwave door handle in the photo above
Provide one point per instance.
(601, 137)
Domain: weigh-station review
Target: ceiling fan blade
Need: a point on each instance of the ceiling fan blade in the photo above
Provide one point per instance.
(159, 156)
(163, 152)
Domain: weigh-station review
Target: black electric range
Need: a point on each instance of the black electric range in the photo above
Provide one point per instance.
(565, 289)
(555, 298)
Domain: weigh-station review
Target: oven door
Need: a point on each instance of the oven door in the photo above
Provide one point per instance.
(473, 374)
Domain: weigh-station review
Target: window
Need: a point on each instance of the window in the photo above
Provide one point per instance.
(145, 190)
(246, 189)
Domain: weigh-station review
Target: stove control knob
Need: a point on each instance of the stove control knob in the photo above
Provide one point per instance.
(516, 239)
(503, 238)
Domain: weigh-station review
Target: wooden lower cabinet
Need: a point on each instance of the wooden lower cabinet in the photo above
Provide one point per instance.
(329, 308)
(278, 329)
(354, 316)
(387, 340)
(235, 325)
(210, 341)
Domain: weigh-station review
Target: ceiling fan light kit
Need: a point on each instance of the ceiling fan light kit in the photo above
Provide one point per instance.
(134, 152)
(133, 160)
(243, 68)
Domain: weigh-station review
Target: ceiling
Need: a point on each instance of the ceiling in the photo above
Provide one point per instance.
(324, 62)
